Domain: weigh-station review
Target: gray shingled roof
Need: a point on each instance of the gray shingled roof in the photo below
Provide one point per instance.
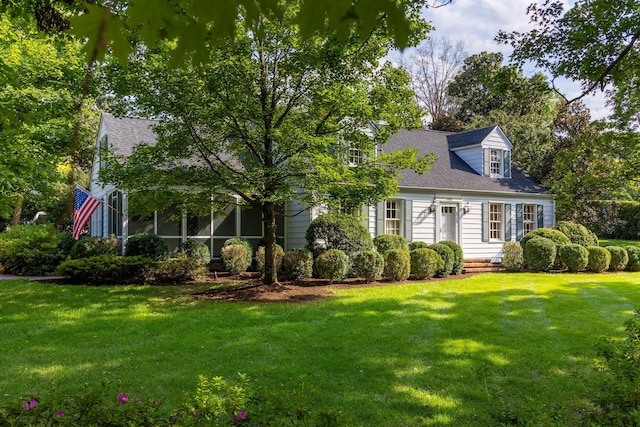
(470, 137)
(450, 172)
(127, 132)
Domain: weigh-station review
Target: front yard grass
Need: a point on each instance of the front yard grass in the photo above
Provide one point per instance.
(488, 350)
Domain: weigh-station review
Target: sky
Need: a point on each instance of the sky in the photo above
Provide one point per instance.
(477, 22)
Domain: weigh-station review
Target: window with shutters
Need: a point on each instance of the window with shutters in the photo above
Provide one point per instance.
(496, 221)
(495, 163)
(529, 220)
(393, 217)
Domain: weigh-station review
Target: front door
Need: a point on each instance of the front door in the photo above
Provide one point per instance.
(448, 223)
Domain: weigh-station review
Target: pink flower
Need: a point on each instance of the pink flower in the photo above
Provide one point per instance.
(33, 403)
(122, 398)
(25, 404)
(241, 415)
(60, 413)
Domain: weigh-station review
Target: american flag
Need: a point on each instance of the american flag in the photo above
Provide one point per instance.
(83, 207)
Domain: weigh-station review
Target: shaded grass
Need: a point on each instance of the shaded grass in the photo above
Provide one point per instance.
(488, 350)
(617, 242)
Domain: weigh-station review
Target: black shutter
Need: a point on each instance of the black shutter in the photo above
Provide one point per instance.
(519, 222)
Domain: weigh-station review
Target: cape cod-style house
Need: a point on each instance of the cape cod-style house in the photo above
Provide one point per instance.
(472, 195)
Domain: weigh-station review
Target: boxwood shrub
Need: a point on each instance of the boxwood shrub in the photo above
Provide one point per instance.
(619, 258)
(236, 258)
(425, 263)
(512, 258)
(332, 264)
(448, 258)
(417, 245)
(239, 241)
(558, 238)
(540, 253)
(260, 253)
(191, 248)
(107, 269)
(574, 256)
(385, 242)
(599, 259)
(338, 231)
(368, 265)
(634, 258)
(577, 233)
(182, 269)
(397, 264)
(458, 256)
(298, 264)
(147, 245)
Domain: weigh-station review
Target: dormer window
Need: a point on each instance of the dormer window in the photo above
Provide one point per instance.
(355, 156)
(497, 163)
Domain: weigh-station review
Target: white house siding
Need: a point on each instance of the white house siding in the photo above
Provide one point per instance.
(472, 156)
(297, 220)
(496, 139)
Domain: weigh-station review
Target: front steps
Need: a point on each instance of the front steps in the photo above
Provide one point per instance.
(478, 265)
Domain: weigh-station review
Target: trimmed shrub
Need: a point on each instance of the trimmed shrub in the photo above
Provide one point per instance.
(337, 231)
(239, 241)
(599, 259)
(540, 253)
(31, 250)
(147, 245)
(93, 246)
(332, 264)
(397, 264)
(235, 258)
(458, 257)
(298, 264)
(577, 233)
(619, 258)
(369, 265)
(417, 245)
(512, 258)
(448, 258)
(634, 258)
(182, 269)
(385, 242)
(107, 269)
(425, 262)
(558, 238)
(194, 249)
(260, 258)
(574, 256)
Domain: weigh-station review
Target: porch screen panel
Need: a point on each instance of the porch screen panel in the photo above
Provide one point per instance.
(198, 225)
(251, 222)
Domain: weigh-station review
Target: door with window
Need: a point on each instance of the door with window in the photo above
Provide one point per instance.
(448, 223)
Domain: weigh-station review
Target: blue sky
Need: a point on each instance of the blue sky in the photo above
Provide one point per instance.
(477, 22)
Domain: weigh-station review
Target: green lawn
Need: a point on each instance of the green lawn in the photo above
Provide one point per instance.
(615, 242)
(490, 349)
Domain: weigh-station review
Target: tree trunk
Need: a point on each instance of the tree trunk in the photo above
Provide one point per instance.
(17, 212)
(270, 267)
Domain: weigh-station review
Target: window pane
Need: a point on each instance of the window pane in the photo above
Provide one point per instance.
(169, 222)
(251, 222)
(528, 218)
(198, 225)
(225, 225)
(139, 224)
(392, 217)
(495, 221)
(496, 162)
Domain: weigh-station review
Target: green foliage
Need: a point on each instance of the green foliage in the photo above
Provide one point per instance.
(217, 402)
(574, 256)
(107, 269)
(549, 233)
(235, 258)
(91, 246)
(337, 231)
(540, 253)
(458, 256)
(148, 246)
(448, 258)
(30, 250)
(369, 265)
(332, 264)
(577, 233)
(181, 269)
(634, 258)
(298, 264)
(512, 256)
(611, 219)
(260, 258)
(620, 362)
(619, 258)
(240, 241)
(599, 259)
(425, 263)
(194, 249)
(417, 245)
(397, 264)
(385, 242)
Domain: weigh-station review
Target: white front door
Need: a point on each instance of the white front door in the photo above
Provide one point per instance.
(448, 223)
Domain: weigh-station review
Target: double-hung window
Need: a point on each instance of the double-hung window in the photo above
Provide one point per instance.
(496, 221)
(356, 156)
(393, 217)
(529, 220)
(495, 163)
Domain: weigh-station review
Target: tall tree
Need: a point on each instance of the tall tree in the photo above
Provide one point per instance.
(271, 116)
(433, 65)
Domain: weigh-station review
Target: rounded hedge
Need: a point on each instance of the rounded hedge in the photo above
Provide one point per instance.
(369, 265)
(425, 263)
(417, 245)
(337, 231)
(512, 258)
(239, 241)
(448, 258)
(577, 233)
(260, 254)
(194, 249)
(599, 259)
(297, 264)
(385, 242)
(574, 256)
(147, 245)
(332, 264)
(236, 258)
(558, 238)
(619, 258)
(634, 258)
(397, 264)
(107, 269)
(540, 253)
(458, 257)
